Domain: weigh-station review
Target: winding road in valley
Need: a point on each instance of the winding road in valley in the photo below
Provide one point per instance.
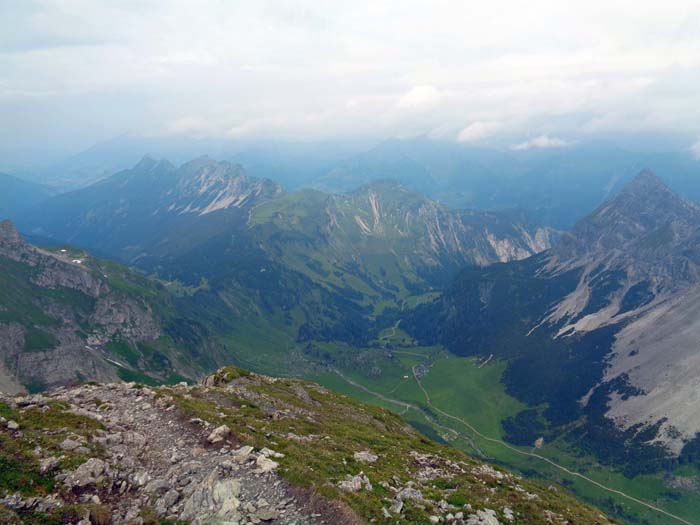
(475, 431)
(542, 458)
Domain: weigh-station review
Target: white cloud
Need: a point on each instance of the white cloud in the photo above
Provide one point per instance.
(478, 131)
(419, 98)
(82, 71)
(542, 142)
(190, 126)
(695, 149)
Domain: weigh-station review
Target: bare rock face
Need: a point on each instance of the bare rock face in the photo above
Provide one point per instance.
(215, 499)
(151, 460)
(265, 464)
(619, 297)
(483, 517)
(88, 474)
(355, 483)
(640, 271)
(63, 315)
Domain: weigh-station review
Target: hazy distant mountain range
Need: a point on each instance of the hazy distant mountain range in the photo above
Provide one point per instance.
(156, 211)
(558, 185)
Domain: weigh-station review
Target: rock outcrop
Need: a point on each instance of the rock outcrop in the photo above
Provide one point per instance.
(69, 317)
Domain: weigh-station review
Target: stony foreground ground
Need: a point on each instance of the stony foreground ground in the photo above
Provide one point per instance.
(151, 458)
(242, 448)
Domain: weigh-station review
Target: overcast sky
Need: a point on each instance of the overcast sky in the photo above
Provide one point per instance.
(528, 74)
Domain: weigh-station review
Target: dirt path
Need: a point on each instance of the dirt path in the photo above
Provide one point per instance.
(415, 354)
(155, 458)
(486, 362)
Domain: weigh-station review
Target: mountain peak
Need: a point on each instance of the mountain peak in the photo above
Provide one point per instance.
(645, 206)
(647, 194)
(146, 163)
(646, 180)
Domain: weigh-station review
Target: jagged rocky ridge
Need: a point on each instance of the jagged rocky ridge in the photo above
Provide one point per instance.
(243, 448)
(390, 237)
(160, 218)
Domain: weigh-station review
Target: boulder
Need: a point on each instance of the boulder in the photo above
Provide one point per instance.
(140, 478)
(219, 434)
(242, 453)
(69, 444)
(409, 493)
(86, 475)
(48, 464)
(166, 501)
(483, 517)
(157, 486)
(365, 456)
(355, 483)
(265, 464)
(270, 453)
(396, 506)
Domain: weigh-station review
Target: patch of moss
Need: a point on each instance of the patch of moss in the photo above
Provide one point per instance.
(20, 473)
(46, 428)
(121, 348)
(60, 516)
(37, 340)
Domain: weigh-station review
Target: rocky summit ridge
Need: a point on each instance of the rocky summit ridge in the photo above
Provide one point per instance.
(241, 448)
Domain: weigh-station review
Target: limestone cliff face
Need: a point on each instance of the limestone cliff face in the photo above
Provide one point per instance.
(60, 318)
(639, 275)
(390, 213)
